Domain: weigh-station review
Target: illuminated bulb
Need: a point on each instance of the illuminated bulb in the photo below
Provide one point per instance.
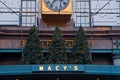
(57, 79)
(97, 78)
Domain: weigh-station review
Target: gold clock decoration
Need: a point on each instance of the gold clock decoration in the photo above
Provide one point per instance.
(56, 12)
(57, 5)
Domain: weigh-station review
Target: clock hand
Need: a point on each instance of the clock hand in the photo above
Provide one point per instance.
(52, 3)
(64, 2)
(60, 4)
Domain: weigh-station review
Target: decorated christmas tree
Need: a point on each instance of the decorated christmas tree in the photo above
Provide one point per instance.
(80, 50)
(32, 50)
(57, 51)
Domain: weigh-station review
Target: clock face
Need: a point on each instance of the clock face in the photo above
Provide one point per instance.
(56, 5)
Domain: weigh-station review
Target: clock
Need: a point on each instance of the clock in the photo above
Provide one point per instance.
(56, 12)
(56, 5)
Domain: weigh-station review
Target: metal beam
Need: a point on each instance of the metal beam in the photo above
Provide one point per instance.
(97, 51)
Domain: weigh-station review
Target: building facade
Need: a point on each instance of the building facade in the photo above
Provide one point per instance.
(104, 45)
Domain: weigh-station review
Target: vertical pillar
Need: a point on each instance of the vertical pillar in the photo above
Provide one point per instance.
(116, 52)
(20, 15)
(116, 59)
(118, 10)
(90, 14)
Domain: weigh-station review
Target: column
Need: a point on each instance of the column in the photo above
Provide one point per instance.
(116, 52)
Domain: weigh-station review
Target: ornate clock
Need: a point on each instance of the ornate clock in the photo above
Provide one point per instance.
(57, 5)
(56, 12)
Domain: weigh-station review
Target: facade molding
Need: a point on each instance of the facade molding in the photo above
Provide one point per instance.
(114, 51)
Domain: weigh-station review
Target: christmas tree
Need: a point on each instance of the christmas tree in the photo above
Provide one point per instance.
(57, 51)
(32, 50)
(80, 50)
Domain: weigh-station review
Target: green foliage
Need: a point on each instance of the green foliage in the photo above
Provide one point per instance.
(80, 51)
(57, 51)
(32, 50)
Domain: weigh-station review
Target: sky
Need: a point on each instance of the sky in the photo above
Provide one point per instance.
(98, 19)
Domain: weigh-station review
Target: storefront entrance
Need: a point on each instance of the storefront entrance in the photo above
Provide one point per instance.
(59, 76)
